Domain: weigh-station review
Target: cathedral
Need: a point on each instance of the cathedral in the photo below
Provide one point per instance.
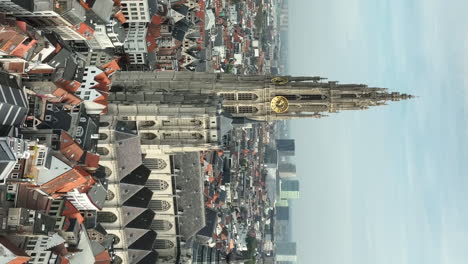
(255, 97)
(157, 125)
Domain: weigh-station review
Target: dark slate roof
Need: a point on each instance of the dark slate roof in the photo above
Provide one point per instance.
(60, 119)
(128, 191)
(140, 199)
(13, 101)
(190, 200)
(180, 28)
(35, 5)
(222, 196)
(97, 195)
(43, 224)
(138, 176)
(119, 30)
(225, 125)
(126, 127)
(182, 9)
(128, 151)
(103, 9)
(31, 199)
(134, 217)
(152, 8)
(142, 256)
(96, 247)
(211, 221)
(90, 221)
(142, 239)
(90, 126)
(72, 11)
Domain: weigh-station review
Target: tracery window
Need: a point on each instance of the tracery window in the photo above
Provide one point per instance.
(163, 244)
(148, 136)
(159, 205)
(246, 109)
(103, 151)
(229, 96)
(103, 136)
(161, 225)
(110, 195)
(230, 109)
(106, 217)
(155, 164)
(157, 184)
(246, 96)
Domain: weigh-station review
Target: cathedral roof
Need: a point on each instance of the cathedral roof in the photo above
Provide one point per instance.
(134, 217)
(142, 256)
(138, 176)
(190, 183)
(128, 149)
(211, 221)
(135, 195)
(225, 124)
(142, 239)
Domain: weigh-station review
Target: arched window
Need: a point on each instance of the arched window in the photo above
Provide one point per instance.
(104, 124)
(247, 97)
(103, 151)
(247, 109)
(228, 96)
(159, 205)
(157, 184)
(103, 136)
(117, 260)
(161, 225)
(148, 136)
(155, 164)
(147, 123)
(110, 195)
(107, 171)
(163, 244)
(106, 217)
(230, 109)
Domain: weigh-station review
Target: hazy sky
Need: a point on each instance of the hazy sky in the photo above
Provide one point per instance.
(390, 184)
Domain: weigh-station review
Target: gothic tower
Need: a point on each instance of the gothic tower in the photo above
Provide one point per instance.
(256, 97)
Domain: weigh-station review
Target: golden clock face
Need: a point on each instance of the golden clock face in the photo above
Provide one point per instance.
(279, 104)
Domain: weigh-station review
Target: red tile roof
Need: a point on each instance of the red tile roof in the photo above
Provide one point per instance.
(70, 148)
(66, 182)
(84, 4)
(111, 67)
(120, 17)
(102, 258)
(22, 49)
(70, 211)
(70, 86)
(84, 30)
(103, 82)
(21, 256)
(66, 97)
(22, 25)
(92, 161)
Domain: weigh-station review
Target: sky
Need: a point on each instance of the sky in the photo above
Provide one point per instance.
(388, 184)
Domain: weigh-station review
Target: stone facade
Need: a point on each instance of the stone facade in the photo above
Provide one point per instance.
(250, 96)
